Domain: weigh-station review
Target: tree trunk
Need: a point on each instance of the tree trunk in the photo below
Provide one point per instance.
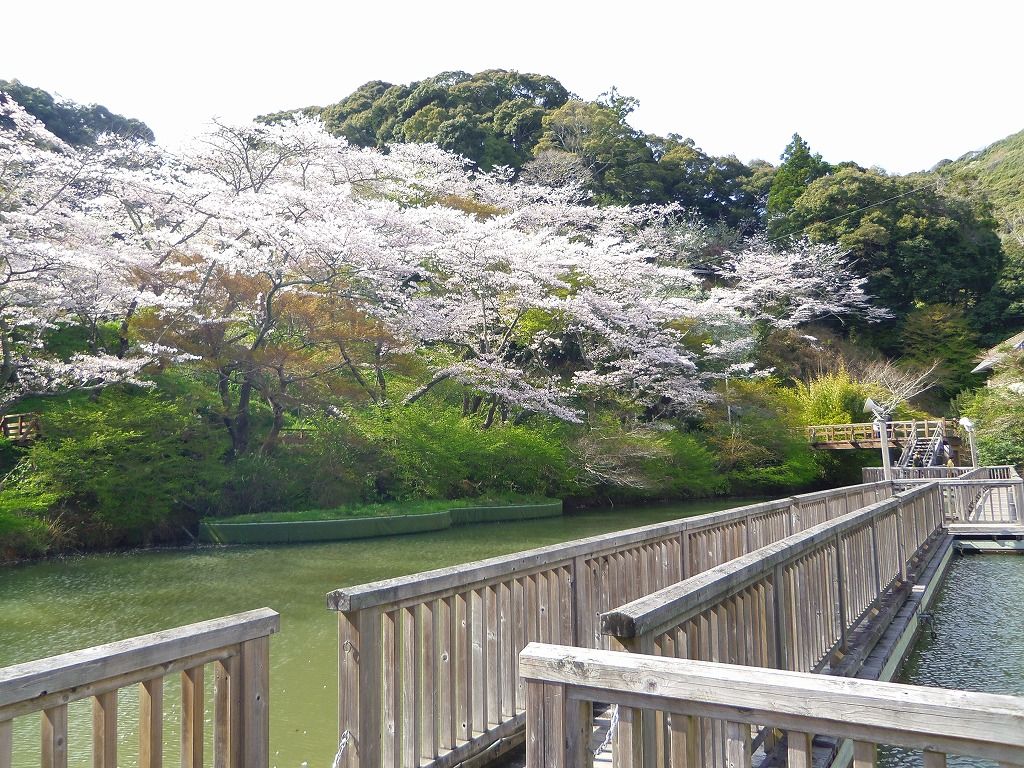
(276, 401)
(378, 366)
(236, 414)
(489, 419)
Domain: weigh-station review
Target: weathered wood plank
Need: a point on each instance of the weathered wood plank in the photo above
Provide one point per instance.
(222, 711)
(31, 680)
(737, 745)
(151, 723)
(428, 701)
(627, 741)
(391, 689)
(360, 663)
(104, 730)
(864, 754)
(54, 752)
(799, 750)
(6, 743)
(255, 675)
(985, 725)
(192, 718)
(684, 741)
(412, 681)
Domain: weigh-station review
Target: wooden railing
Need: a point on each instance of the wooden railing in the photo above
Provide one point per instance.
(984, 501)
(791, 605)
(1003, 472)
(805, 593)
(563, 682)
(21, 427)
(972, 494)
(874, 474)
(865, 432)
(428, 663)
(237, 646)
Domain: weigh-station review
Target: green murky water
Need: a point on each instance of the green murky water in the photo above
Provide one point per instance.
(978, 639)
(54, 607)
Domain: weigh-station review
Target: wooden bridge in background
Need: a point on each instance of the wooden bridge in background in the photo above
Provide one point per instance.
(866, 435)
(434, 668)
(925, 438)
(21, 428)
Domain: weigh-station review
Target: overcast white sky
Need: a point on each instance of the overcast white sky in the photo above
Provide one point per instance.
(899, 84)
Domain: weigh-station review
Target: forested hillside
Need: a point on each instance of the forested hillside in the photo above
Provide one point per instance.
(995, 176)
(77, 124)
(546, 303)
(918, 241)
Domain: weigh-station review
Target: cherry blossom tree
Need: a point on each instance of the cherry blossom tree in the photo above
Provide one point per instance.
(289, 265)
(59, 261)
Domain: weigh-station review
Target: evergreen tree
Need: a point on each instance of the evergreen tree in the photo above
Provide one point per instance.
(798, 169)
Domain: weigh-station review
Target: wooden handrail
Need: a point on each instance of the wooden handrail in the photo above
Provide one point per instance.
(21, 427)
(237, 645)
(865, 432)
(909, 519)
(414, 586)
(450, 637)
(563, 681)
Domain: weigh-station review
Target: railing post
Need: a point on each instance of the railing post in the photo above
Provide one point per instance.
(254, 668)
(901, 543)
(1018, 499)
(841, 579)
(583, 633)
(794, 519)
(639, 729)
(876, 556)
(684, 554)
(6, 743)
(54, 751)
(557, 728)
(780, 616)
(360, 681)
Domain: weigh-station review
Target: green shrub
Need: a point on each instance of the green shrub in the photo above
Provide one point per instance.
(434, 452)
(998, 416)
(22, 532)
(126, 467)
(764, 449)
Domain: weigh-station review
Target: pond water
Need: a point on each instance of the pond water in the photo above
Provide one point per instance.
(58, 606)
(978, 639)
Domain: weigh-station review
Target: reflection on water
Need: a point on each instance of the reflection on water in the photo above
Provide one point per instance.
(54, 607)
(978, 639)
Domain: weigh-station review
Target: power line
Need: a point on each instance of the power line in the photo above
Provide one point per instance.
(858, 210)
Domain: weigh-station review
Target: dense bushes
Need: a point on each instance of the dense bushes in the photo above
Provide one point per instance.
(126, 467)
(130, 467)
(998, 414)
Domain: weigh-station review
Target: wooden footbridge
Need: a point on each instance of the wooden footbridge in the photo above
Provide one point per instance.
(21, 428)
(737, 638)
(927, 442)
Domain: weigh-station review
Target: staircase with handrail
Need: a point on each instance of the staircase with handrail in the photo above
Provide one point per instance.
(923, 450)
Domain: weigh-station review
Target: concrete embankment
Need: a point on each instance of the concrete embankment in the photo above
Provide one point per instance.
(299, 531)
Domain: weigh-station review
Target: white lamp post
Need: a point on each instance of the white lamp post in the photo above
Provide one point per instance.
(968, 426)
(882, 427)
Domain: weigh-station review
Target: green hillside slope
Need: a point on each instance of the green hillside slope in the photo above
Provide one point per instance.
(998, 171)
